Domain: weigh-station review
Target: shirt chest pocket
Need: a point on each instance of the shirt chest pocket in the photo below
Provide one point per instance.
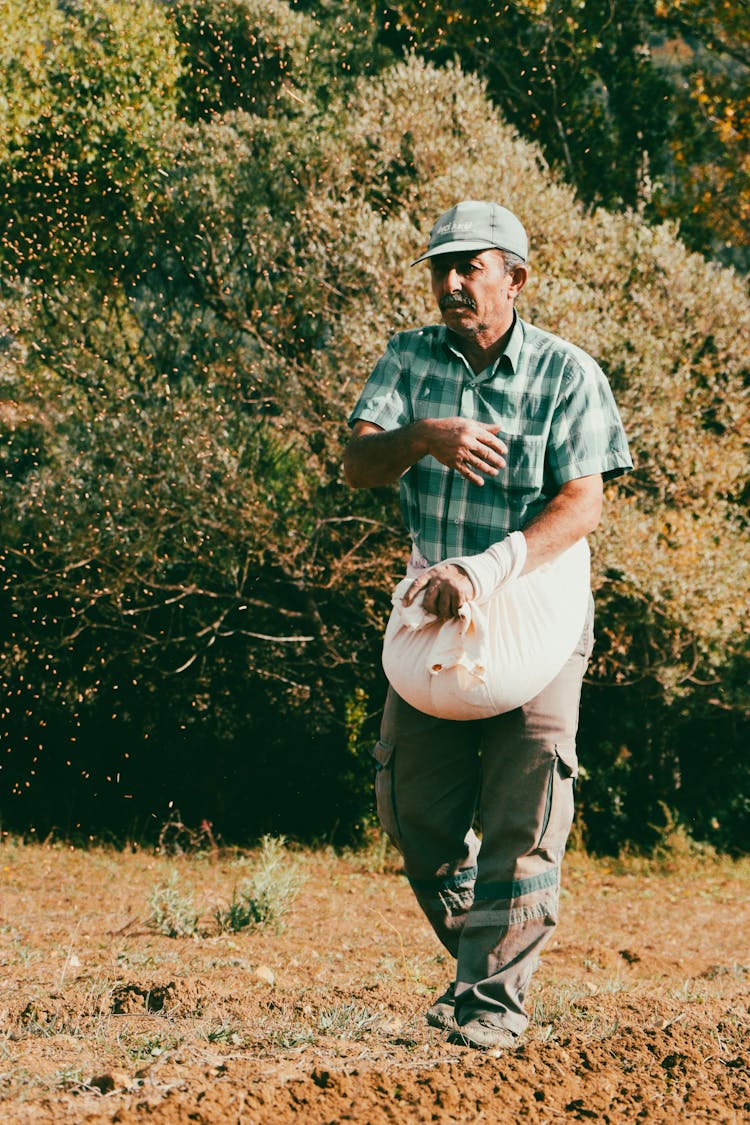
(524, 475)
(431, 398)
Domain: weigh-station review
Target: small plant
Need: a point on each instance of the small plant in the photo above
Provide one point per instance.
(675, 847)
(172, 910)
(143, 1048)
(177, 838)
(223, 1033)
(265, 896)
(287, 1039)
(348, 1021)
(69, 1078)
(239, 914)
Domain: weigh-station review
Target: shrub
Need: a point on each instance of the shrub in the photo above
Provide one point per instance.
(87, 88)
(194, 599)
(172, 910)
(266, 895)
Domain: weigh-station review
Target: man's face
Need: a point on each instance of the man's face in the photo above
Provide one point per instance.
(474, 293)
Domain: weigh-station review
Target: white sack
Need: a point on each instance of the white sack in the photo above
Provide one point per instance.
(495, 656)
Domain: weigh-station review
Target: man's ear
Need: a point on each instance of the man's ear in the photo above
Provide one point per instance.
(520, 276)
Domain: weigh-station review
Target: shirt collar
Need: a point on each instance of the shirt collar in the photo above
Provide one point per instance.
(511, 352)
(515, 342)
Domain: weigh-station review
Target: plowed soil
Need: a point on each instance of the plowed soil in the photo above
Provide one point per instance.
(640, 1007)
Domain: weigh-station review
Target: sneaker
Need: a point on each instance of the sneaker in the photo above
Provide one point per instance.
(442, 1013)
(482, 1033)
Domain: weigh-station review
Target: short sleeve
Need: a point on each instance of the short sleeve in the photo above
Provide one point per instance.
(587, 434)
(384, 400)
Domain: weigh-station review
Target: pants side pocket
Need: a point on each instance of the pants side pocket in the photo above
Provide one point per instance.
(383, 753)
(559, 805)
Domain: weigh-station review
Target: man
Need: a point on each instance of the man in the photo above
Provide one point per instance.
(492, 426)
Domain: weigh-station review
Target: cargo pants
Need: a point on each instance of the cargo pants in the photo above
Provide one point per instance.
(493, 904)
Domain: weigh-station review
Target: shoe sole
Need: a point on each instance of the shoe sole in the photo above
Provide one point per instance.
(442, 1023)
(459, 1038)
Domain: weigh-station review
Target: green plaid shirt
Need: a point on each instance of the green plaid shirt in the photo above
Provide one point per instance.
(558, 418)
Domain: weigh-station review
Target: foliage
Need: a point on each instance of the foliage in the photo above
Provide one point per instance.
(706, 50)
(266, 895)
(194, 600)
(244, 54)
(86, 88)
(641, 104)
(268, 57)
(172, 910)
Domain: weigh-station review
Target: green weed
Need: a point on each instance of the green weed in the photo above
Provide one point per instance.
(172, 910)
(348, 1021)
(223, 1033)
(266, 895)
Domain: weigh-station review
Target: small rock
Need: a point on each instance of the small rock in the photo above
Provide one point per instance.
(265, 974)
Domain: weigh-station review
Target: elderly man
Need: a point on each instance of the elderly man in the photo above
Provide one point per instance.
(492, 426)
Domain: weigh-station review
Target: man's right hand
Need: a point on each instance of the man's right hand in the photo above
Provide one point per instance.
(471, 448)
(375, 457)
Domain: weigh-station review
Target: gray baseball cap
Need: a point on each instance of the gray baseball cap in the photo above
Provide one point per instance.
(476, 225)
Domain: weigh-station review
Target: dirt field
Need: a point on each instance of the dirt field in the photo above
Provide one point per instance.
(641, 1006)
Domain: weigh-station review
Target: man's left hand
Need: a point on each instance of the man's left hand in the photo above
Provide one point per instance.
(446, 588)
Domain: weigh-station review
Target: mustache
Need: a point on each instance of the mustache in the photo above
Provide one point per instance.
(455, 301)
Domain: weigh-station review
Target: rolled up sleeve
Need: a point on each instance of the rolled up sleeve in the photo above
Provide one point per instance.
(586, 435)
(384, 400)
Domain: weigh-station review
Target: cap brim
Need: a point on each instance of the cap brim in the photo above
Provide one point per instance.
(457, 247)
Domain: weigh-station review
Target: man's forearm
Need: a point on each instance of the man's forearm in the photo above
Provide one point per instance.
(571, 514)
(382, 456)
(374, 456)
